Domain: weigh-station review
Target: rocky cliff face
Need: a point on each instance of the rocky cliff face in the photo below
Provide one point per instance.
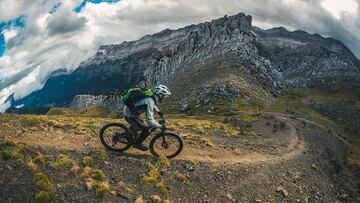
(111, 102)
(307, 60)
(226, 55)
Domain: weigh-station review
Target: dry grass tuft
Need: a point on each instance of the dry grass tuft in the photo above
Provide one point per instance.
(102, 189)
(182, 178)
(40, 159)
(98, 175)
(47, 189)
(164, 162)
(44, 197)
(152, 177)
(162, 188)
(63, 161)
(10, 143)
(87, 161)
(31, 166)
(19, 152)
(6, 155)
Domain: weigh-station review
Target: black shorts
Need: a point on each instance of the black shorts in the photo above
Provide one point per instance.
(136, 123)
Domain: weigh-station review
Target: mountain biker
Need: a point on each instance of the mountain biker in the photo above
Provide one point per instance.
(147, 105)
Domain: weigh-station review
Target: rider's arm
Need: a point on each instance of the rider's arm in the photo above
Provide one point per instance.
(156, 109)
(150, 114)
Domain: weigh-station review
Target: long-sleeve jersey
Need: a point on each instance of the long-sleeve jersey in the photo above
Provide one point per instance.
(146, 105)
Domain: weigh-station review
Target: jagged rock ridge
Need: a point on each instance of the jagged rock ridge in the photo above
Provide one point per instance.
(111, 102)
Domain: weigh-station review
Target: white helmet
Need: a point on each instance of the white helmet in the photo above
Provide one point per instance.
(162, 89)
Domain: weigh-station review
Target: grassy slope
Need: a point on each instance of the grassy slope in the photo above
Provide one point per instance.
(293, 102)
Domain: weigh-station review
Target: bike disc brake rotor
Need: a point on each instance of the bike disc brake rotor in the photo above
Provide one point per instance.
(165, 145)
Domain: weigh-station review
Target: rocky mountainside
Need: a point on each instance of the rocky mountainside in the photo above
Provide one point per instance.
(309, 60)
(111, 102)
(225, 59)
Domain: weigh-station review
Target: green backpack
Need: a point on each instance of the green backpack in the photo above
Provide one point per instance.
(136, 94)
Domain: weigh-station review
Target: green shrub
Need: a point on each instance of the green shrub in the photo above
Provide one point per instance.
(164, 162)
(182, 178)
(102, 189)
(87, 161)
(248, 132)
(248, 117)
(95, 174)
(10, 143)
(44, 197)
(156, 180)
(86, 172)
(40, 159)
(98, 175)
(47, 189)
(192, 162)
(63, 161)
(75, 169)
(6, 155)
(43, 183)
(31, 166)
(19, 152)
(162, 188)
(152, 177)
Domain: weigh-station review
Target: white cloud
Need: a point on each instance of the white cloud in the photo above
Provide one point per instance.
(8, 34)
(64, 39)
(337, 9)
(20, 88)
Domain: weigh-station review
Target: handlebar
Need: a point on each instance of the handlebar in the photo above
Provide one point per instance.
(162, 121)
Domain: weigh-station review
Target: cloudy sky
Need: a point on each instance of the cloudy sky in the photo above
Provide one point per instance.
(40, 36)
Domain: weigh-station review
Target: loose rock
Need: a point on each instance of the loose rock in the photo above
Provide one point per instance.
(283, 191)
(155, 198)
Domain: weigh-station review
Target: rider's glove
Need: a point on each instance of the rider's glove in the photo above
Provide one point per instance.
(163, 127)
(160, 114)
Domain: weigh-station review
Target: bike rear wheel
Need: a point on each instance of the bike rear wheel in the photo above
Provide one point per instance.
(166, 144)
(116, 137)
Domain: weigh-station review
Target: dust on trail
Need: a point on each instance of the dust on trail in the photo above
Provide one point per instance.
(215, 156)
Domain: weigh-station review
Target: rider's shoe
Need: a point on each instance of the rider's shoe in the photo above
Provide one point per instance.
(141, 147)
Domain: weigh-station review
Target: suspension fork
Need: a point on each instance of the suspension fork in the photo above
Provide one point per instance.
(163, 135)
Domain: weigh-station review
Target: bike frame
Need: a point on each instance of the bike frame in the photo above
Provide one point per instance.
(150, 132)
(152, 129)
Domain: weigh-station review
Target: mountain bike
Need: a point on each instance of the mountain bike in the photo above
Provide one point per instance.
(118, 137)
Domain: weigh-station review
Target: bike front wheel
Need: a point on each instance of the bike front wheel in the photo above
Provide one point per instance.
(166, 144)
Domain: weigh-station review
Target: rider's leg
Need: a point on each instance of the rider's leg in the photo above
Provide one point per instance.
(137, 123)
(134, 125)
(144, 129)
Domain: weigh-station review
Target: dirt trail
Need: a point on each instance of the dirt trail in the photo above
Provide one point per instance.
(295, 148)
